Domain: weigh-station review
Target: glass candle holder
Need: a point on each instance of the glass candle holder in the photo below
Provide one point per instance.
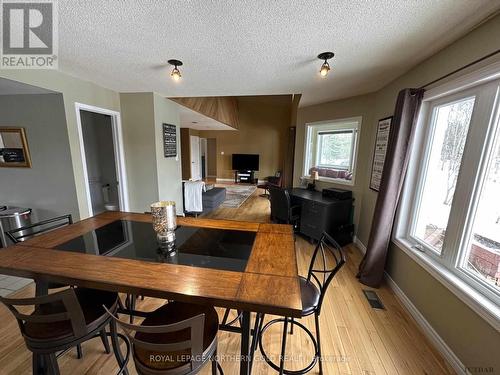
(164, 224)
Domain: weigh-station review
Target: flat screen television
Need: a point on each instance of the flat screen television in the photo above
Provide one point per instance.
(245, 162)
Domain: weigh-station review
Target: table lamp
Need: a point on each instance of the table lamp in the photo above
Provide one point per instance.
(314, 178)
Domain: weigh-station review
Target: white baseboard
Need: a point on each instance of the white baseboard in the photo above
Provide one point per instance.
(427, 329)
(361, 247)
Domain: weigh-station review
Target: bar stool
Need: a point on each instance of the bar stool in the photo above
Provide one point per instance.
(313, 290)
(177, 338)
(62, 320)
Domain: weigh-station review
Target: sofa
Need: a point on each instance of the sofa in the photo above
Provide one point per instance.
(213, 198)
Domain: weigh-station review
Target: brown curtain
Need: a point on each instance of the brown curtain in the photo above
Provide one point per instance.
(287, 179)
(371, 269)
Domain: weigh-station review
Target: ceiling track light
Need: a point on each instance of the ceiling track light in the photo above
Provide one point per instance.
(176, 73)
(325, 68)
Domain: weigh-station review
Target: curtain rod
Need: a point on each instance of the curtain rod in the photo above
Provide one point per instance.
(459, 69)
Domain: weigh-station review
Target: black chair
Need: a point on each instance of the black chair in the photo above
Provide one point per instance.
(322, 270)
(28, 231)
(282, 210)
(270, 181)
(177, 338)
(62, 320)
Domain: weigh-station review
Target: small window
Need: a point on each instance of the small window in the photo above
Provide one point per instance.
(331, 149)
(335, 149)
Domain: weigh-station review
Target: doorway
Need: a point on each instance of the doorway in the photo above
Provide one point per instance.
(104, 172)
(203, 153)
(195, 157)
(211, 158)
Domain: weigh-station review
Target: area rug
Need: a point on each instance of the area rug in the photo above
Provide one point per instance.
(236, 195)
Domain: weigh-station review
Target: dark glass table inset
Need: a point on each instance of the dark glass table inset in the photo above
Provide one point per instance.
(199, 247)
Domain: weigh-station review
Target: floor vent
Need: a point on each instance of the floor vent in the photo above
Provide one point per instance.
(373, 299)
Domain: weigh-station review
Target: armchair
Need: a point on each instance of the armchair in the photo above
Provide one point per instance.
(275, 180)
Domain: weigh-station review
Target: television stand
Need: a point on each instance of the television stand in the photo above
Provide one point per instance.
(244, 177)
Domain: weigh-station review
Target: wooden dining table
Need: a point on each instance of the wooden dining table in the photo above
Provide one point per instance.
(265, 280)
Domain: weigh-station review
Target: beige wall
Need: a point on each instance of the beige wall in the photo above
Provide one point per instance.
(471, 338)
(73, 90)
(263, 130)
(168, 169)
(138, 119)
(151, 176)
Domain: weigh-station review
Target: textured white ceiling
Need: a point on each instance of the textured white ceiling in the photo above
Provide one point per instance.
(195, 120)
(257, 47)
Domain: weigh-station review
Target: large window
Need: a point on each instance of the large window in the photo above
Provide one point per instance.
(449, 124)
(450, 213)
(331, 149)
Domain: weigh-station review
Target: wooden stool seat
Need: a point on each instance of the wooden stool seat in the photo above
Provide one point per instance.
(172, 313)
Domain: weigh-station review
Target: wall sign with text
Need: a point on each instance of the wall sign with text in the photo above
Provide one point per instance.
(381, 142)
(169, 140)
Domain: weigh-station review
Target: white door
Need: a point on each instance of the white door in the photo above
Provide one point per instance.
(195, 157)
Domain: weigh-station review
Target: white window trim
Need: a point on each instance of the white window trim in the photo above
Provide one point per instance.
(307, 152)
(454, 281)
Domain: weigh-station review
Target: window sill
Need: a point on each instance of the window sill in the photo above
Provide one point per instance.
(485, 308)
(340, 181)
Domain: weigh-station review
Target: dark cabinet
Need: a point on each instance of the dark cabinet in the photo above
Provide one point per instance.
(321, 214)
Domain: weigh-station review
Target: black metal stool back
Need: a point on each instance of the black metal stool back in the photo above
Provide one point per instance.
(331, 259)
(28, 231)
(71, 312)
(194, 345)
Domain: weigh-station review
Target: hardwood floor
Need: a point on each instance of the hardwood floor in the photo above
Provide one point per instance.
(356, 339)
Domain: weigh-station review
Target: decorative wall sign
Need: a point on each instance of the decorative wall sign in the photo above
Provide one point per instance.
(169, 140)
(381, 142)
(14, 151)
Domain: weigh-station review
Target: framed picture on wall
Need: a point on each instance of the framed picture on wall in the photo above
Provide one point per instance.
(14, 151)
(169, 140)
(381, 142)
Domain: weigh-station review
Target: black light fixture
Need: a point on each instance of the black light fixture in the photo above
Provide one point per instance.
(325, 68)
(176, 73)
